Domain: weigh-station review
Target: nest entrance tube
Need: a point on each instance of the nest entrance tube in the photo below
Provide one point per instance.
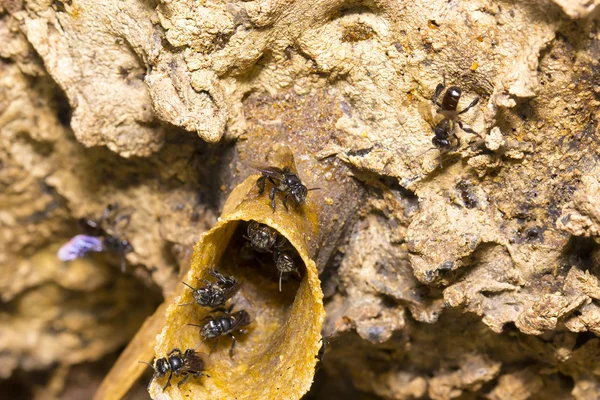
(275, 358)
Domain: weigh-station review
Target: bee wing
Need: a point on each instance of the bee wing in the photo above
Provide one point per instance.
(78, 247)
(266, 169)
(285, 157)
(194, 362)
(425, 111)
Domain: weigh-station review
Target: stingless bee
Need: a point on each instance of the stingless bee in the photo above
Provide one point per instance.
(214, 294)
(446, 118)
(265, 239)
(284, 259)
(224, 324)
(178, 364)
(101, 234)
(262, 237)
(326, 342)
(284, 179)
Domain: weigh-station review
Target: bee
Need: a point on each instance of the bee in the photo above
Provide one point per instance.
(224, 324)
(265, 239)
(101, 234)
(326, 342)
(284, 179)
(283, 257)
(262, 238)
(285, 264)
(214, 294)
(446, 118)
(178, 364)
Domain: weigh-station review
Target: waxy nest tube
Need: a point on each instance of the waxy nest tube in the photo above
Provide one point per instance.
(276, 357)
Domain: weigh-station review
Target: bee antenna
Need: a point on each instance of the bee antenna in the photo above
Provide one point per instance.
(199, 344)
(337, 329)
(280, 276)
(147, 363)
(123, 264)
(193, 288)
(313, 189)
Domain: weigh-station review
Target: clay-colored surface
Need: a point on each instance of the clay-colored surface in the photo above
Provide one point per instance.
(478, 279)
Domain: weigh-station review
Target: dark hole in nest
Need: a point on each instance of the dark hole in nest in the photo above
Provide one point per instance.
(535, 234)
(22, 384)
(565, 381)
(579, 251)
(263, 264)
(582, 339)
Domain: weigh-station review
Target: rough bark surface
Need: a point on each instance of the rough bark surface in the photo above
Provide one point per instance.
(468, 274)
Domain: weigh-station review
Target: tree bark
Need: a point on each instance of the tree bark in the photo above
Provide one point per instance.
(450, 274)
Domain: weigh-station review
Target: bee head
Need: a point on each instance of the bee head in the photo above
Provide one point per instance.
(284, 262)
(205, 295)
(442, 143)
(210, 330)
(299, 193)
(161, 367)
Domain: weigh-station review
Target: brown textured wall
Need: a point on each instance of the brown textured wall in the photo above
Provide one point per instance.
(476, 279)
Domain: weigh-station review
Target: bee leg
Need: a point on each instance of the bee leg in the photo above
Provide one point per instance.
(123, 263)
(467, 129)
(261, 182)
(272, 197)
(280, 277)
(184, 380)
(438, 91)
(107, 212)
(175, 350)
(473, 103)
(220, 309)
(218, 275)
(214, 346)
(123, 217)
(232, 345)
(441, 164)
(150, 383)
(284, 201)
(168, 381)
(205, 281)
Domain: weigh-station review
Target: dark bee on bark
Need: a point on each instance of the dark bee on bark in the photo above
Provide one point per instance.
(214, 294)
(284, 258)
(103, 234)
(224, 324)
(262, 237)
(178, 364)
(446, 118)
(284, 180)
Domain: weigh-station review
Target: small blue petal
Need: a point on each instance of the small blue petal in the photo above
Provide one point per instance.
(79, 246)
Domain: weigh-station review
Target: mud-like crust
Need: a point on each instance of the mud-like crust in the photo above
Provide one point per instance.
(457, 275)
